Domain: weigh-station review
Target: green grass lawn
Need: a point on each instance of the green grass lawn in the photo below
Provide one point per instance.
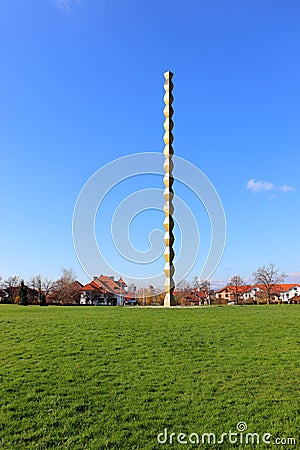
(113, 378)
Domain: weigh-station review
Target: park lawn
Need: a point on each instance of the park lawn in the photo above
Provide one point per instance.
(113, 378)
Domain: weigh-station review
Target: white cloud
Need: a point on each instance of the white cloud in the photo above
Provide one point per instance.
(294, 274)
(66, 5)
(218, 283)
(286, 188)
(259, 186)
(293, 277)
(267, 186)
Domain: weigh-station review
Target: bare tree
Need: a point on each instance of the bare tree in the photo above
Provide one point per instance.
(35, 285)
(47, 286)
(183, 285)
(204, 287)
(268, 277)
(236, 284)
(35, 282)
(66, 289)
(196, 283)
(11, 286)
(42, 286)
(68, 275)
(14, 281)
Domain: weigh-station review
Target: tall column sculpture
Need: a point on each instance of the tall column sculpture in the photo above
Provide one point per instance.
(168, 191)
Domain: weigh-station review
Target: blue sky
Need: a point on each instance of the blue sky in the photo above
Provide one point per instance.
(82, 84)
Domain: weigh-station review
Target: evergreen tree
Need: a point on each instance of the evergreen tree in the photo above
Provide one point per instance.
(23, 294)
(43, 299)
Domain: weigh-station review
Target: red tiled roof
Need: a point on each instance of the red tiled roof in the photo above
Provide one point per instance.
(111, 285)
(93, 286)
(105, 284)
(283, 287)
(239, 289)
(88, 287)
(122, 282)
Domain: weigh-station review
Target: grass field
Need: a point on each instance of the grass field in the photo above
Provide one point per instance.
(113, 378)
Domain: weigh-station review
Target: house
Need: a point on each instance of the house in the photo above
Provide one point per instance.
(295, 299)
(286, 292)
(103, 290)
(229, 293)
(191, 297)
(280, 292)
(283, 292)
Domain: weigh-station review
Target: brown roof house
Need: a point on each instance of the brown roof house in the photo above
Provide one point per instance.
(104, 291)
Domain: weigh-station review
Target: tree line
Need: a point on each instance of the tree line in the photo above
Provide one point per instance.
(41, 291)
(66, 290)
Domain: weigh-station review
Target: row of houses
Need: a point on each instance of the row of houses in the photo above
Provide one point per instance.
(285, 293)
(105, 290)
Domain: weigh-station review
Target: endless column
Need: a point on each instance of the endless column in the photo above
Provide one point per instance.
(168, 192)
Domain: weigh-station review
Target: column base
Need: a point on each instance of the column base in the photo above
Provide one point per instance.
(169, 300)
